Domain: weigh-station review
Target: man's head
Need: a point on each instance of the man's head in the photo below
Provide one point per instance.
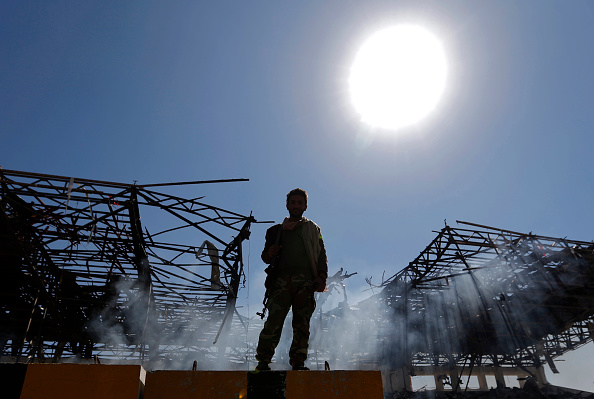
(296, 203)
(297, 191)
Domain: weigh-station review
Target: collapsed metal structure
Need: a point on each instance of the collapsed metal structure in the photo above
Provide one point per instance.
(83, 276)
(483, 296)
(477, 300)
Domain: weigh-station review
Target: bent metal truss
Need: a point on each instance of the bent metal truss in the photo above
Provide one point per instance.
(84, 276)
(483, 296)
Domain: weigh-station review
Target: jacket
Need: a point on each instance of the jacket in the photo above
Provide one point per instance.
(314, 245)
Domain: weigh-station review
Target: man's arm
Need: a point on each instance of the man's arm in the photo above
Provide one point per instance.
(270, 246)
(322, 261)
(320, 281)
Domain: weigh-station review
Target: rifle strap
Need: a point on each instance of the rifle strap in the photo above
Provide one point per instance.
(278, 235)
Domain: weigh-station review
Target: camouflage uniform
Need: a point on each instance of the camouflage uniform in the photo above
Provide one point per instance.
(289, 290)
(296, 291)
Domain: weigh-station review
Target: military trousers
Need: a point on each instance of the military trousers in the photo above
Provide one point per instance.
(296, 292)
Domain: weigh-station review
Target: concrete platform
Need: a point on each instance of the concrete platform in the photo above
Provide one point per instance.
(70, 381)
(263, 385)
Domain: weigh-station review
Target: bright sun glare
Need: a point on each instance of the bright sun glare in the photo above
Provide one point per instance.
(398, 77)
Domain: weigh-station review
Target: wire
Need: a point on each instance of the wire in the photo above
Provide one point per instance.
(248, 276)
(247, 345)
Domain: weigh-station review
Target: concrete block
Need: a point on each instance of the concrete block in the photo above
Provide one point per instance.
(12, 377)
(89, 381)
(165, 384)
(334, 384)
(267, 385)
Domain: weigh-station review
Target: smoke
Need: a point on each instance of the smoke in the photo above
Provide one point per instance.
(495, 305)
(126, 318)
(132, 326)
(503, 305)
(340, 334)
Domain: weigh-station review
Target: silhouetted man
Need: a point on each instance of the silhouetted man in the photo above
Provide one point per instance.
(295, 250)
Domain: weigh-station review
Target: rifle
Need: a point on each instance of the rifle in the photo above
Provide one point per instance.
(270, 275)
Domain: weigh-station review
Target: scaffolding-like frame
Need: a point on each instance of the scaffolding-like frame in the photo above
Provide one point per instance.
(83, 277)
(484, 296)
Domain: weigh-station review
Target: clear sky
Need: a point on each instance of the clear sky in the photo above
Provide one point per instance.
(154, 91)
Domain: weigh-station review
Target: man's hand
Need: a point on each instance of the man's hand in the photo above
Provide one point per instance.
(320, 284)
(273, 251)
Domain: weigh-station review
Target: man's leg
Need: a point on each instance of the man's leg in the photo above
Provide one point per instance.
(304, 305)
(279, 304)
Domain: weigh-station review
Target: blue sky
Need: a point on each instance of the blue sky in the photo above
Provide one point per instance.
(174, 91)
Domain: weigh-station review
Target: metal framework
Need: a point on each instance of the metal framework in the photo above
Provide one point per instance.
(83, 275)
(484, 296)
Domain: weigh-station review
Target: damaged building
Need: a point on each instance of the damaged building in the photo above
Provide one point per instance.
(86, 279)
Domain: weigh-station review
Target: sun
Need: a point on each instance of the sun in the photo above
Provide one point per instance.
(398, 77)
